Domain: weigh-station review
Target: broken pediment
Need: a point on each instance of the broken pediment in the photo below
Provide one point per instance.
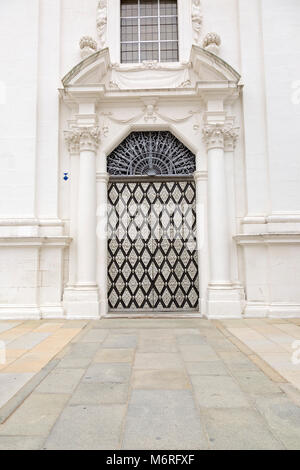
(202, 67)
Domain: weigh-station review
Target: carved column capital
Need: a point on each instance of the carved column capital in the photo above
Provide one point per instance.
(231, 135)
(220, 136)
(82, 138)
(213, 136)
(72, 138)
(89, 138)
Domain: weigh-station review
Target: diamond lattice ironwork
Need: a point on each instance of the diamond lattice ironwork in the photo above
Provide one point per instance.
(152, 252)
(151, 154)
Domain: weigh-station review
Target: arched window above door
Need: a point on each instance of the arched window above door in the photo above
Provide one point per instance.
(151, 154)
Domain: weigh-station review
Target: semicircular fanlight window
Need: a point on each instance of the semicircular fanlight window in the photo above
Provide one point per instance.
(151, 154)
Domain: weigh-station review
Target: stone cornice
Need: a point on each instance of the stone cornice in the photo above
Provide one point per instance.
(274, 238)
(35, 241)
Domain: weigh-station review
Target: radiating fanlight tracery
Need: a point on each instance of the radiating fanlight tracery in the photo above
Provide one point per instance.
(151, 154)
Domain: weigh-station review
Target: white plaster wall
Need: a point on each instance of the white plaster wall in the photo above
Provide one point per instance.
(19, 36)
(47, 173)
(51, 278)
(281, 35)
(78, 19)
(221, 17)
(18, 276)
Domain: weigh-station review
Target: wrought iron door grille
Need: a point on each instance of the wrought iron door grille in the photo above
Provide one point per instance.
(152, 250)
(151, 154)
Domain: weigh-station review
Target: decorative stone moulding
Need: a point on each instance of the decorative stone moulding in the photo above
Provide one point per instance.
(212, 42)
(220, 136)
(88, 46)
(82, 138)
(102, 22)
(197, 19)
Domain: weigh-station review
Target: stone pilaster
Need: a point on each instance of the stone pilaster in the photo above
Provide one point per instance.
(222, 300)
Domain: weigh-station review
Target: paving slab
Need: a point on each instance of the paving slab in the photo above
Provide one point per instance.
(100, 393)
(239, 429)
(49, 327)
(28, 341)
(283, 417)
(206, 368)
(114, 355)
(83, 350)
(191, 339)
(61, 381)
(160, 379)
(70, 362)
(157, 344)
(163, 420)
(158, 361)
(291, 392)
(195, 353)
(254, 382)
(36, 416)
(222, 345)
(218, 392)
(75, 324)
(124, 331)
(281, 362)
(10, 384)
(267, 369)
(21, 443)
(6, 326)
(114, 373)
(151, 323)
(237, 361)
(120, 341)
(87, 427)
(94, 336)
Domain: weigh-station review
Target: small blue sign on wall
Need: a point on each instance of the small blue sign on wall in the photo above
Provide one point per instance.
(66, 176)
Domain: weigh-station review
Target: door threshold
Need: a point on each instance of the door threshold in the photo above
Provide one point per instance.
(159, 315)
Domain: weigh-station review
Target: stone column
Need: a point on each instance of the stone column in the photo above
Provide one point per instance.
(72, 140)
(230, 139)
(200, 177)
(223, 299)
(102, 183)
(83, 300)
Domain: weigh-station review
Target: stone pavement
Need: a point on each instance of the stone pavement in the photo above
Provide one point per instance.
(152, 384)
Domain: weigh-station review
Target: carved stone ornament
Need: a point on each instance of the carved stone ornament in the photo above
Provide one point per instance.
(231, 135)
(212, 42)
(220, 136)
(197, 19)
(72, 138)
(88, 46)
(82, 138)
(102, 22)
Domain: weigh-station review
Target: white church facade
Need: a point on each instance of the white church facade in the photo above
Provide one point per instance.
(149, 158)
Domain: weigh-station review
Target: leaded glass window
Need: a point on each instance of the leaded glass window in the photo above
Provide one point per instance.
(149, 30)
